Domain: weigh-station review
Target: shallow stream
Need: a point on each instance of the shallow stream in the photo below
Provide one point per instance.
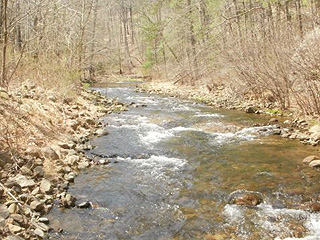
(174, 164)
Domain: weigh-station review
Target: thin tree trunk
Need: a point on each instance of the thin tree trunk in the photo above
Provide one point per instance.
(94, 32)
(192, 39)
(4, 81)
(18, 29)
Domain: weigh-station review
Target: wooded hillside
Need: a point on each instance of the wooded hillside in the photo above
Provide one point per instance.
(266, 48)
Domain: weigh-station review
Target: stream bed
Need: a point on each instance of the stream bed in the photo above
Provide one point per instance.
(174, 164)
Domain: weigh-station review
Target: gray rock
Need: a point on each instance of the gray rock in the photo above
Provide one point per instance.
(102, 132)
(41, 226)
(41, 234)
(83, 165)
(2, 222)
(67, 169)
(276, 132)
(315, 136)
(1, 190)
(251, 110)
(70, 177)
(13, 208)
(38, 162)
(104, 161)
(13, 238)
(48, 152)
(44, 220)
(17, 217)
(45, 186)
(69, 201)
(278, 204)
(90, 121)
(33, 151)
(14, 228)
(287, 122)
(4, 213)
(37, 205)
(84, 205)
(315, 129)
(4, 159)
(314, 163)
(26, 171)
(38, 171)
(35, 191)
(4, 95)
(52, 98)
(273, 120)
(23, 181)
(73, 124)
(71, 160)
(64, 145)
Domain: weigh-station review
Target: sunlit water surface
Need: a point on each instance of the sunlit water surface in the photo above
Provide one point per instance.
(175, 162)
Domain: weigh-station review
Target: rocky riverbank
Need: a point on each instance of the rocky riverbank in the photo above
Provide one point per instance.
(44, 136)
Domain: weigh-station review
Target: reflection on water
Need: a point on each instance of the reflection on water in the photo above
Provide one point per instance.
(176, 164)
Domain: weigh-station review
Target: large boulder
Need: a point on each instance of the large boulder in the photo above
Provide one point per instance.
(314, 163)
(246, 198)
(309, 159)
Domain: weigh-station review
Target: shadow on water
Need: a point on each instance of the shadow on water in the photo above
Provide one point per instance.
(174, 165)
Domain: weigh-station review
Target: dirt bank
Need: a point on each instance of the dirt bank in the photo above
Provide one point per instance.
(41, 151)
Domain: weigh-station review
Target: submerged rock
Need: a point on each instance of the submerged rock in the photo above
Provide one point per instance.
(278, 204)
(244, 197)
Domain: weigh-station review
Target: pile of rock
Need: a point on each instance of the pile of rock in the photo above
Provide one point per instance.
(37, 177)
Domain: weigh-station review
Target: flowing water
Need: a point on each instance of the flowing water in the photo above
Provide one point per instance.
(174, 164)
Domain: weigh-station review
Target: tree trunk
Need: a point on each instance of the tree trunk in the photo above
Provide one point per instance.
(93, 42)
(4, 80)
(193, 42)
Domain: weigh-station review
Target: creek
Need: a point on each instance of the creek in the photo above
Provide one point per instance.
(174, 164)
